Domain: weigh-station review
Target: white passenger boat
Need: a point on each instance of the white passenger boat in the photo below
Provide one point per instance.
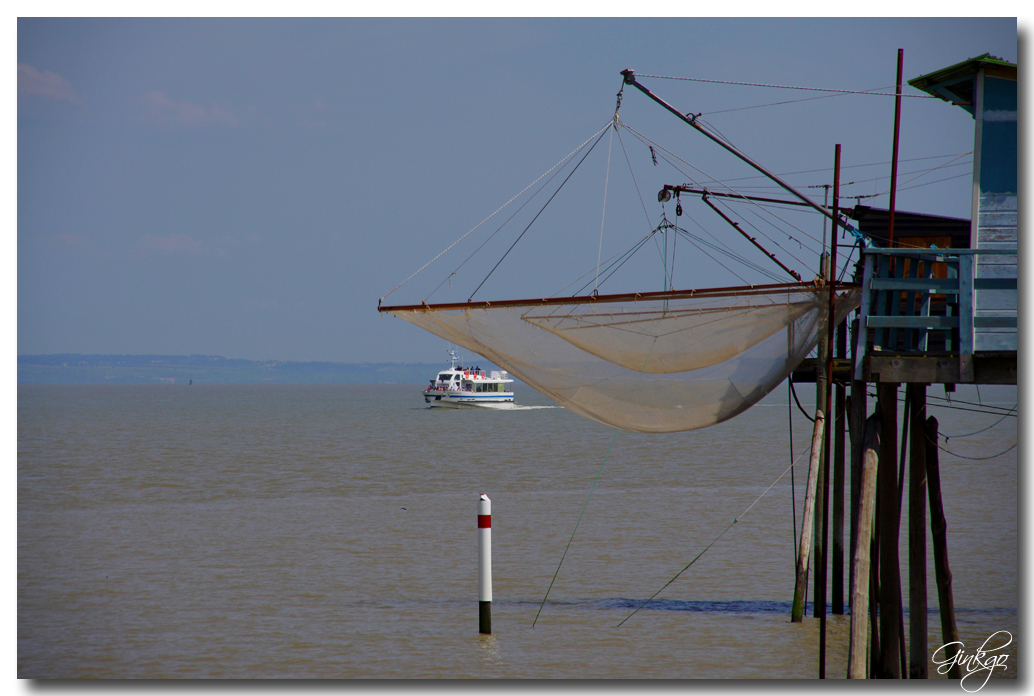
(457, 387)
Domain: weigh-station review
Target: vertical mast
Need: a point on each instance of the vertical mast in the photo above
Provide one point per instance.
(629, 76)
(894, 154)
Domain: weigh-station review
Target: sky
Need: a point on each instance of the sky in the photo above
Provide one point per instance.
(252, 187)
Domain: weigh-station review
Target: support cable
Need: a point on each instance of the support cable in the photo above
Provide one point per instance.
(497, 231)
(794, 392)
(696, 241)
(612, 258)
(806, 89)
(948, 437)
(630, 171)
(471, 298)
(716, 539)
(645, 140)
(612, 439)
(574, 152)
(606, 182)
(579, 520)
(793, 485)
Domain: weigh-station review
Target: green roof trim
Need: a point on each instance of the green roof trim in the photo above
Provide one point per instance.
(951, 84)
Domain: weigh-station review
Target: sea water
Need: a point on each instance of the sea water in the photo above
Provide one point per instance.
(277, 531)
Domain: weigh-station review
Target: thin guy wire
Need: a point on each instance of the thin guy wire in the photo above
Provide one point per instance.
(535, 218)
(745, 202)
(720, 247)
(562, 557)
(617, 264)
(807, 89)
(919, 172)
(492, 236)
(587, 499)
(713, 179)
(573, 152)
(977, 459)
(919, 175)
(734, 521)
(948, 437)
(620, 253)
(761, 106)
(909, 188)
(603, 217)
(695, 241)
(632, 173)
(848, 166)
(773, 240)
(793, 486)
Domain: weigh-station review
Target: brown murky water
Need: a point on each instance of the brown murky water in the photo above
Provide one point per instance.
(330, 531)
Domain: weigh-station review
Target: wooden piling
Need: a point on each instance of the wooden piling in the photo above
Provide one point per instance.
(797, 612)
(818, 600)
(861, 554)
(890, 579)
(939, 534)
(917, 620)
(837, 577)
(856, 408)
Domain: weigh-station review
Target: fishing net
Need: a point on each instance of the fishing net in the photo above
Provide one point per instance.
(652, 362)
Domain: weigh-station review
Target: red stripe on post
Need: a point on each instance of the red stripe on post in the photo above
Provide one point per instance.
(484, 521)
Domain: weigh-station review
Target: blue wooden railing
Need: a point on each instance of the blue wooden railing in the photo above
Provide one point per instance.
(899, 289)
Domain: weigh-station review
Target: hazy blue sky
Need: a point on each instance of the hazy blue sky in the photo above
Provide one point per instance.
(250, 188)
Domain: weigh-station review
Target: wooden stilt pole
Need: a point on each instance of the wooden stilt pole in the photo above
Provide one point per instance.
(837, 579)
(890, 580)
(819, 566)
(875, 645)
(831, 420)
(862, 550)
(939, 533)
(797, 612)
(917, 650)
(857, 408)
(902, 639)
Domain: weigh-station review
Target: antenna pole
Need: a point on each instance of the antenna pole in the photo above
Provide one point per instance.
(894, 155)
(691, 120)
(831, 327)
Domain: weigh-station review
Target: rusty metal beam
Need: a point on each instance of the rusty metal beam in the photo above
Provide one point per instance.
(795, 274)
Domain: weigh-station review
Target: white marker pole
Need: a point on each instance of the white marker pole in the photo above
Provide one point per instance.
(485, 564)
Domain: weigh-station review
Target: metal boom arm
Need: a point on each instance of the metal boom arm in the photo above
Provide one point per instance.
(629, 76)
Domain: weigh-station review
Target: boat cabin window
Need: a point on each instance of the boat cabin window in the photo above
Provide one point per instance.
(443, 377)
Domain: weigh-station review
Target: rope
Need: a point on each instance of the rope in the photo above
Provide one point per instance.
(714, 180)
(573, 152)
(497, 231)
(977, 459)
(562, 557)
(794, 392)
(948, 437)
(634, 181)
(617, 263)
(606, 182)
(749, 264)
(761, 106)
(999, 409)
(793, 485)
(559, 188)
(615, 436)
(731, 524)
(618, 254)
(807, 89)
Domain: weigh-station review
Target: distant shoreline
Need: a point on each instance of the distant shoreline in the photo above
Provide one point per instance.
(74, 368)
